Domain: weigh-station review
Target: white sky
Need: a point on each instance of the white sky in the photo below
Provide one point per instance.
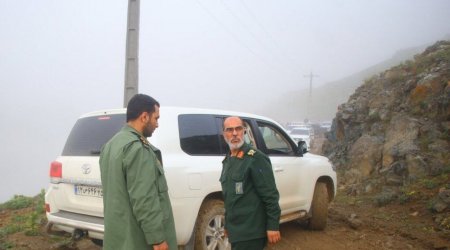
(60, 59)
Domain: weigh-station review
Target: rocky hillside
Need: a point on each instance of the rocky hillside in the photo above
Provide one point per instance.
(392, 138)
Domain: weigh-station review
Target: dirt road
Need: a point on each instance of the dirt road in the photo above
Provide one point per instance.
(372, 228)
(353, 223)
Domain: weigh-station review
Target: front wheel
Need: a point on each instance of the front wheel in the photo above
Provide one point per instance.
(209, 228)
(319, 207)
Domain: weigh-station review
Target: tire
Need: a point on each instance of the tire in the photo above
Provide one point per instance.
(209, 228)
(97, 242)
(319, 207)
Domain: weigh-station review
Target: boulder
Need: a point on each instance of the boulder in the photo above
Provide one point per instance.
(400, 139)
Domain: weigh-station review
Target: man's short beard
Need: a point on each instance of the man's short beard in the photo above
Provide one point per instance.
(147, 132)
(234, 146)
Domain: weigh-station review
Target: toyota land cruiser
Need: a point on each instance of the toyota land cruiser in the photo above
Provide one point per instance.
(193, 148)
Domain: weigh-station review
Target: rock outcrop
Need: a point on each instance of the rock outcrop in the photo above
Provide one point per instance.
(395, 129)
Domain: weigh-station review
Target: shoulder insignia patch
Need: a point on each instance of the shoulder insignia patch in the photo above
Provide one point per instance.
(251, 152)
(145, 142)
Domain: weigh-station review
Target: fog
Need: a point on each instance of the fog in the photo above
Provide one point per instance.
(60, 59)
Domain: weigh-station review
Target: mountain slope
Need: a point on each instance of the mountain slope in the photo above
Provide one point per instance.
(392, 137)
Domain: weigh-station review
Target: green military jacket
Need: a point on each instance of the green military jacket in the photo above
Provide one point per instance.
(136, 203)
(250, 195)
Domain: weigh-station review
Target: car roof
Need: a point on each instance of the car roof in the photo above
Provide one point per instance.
(172, 110)
(301, 128)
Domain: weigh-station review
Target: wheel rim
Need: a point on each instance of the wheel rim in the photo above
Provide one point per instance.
(215, 234)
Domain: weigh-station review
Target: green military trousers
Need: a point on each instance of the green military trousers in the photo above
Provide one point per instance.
(256, 244)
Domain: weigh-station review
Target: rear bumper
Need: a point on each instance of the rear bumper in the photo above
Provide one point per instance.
(69, 222)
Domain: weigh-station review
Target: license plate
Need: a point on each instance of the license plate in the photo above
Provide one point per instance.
(88, 191)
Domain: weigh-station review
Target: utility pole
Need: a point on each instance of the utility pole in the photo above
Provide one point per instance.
(308, 106)
(131, 85)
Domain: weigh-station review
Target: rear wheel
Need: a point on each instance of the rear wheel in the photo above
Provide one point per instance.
(209, 228)
(319, 207)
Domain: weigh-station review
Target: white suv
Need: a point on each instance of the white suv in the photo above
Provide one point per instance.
(193, 148)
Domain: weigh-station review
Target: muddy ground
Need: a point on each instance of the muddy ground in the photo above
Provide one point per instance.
(352, 224)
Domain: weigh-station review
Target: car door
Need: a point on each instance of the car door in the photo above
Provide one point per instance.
(285, 163)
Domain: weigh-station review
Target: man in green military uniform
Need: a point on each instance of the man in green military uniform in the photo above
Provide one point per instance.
(137, 210)
(252, 213)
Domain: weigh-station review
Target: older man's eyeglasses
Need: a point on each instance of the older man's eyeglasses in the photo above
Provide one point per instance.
(230, 130)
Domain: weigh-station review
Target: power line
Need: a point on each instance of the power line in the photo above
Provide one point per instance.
(271, 38)
(253, 34)
(236, 37)
(239, 20)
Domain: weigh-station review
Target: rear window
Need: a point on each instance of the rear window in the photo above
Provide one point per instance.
(300, 132)
(199, 134)
(91, 133)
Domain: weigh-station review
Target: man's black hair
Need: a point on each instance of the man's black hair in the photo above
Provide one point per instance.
(138, 104)
(223, 121)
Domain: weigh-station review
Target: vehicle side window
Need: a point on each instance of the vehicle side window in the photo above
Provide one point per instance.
(276, 143)
(199, 134)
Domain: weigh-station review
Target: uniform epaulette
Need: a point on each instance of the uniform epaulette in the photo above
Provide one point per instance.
(251, 152)
(145, 142)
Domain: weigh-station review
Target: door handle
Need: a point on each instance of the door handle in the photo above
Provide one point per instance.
(278, 169)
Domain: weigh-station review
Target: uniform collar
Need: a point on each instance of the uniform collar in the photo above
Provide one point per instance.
(245, 148)
(128, 128)
(142, 138)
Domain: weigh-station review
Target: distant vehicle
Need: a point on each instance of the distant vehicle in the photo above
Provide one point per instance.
(326, 125)
(193, 148)
(301, 134)
(291, 125)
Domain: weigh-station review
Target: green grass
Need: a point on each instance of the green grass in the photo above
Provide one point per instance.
(6, 245)
(17, 202)
(28, 223)
(429, 183)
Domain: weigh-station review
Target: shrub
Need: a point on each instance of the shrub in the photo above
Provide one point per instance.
(18, 202)
(430, 184)
(10, 229)
(6, 245)
(406, 196)
(384, 198)
(419, 94)
(28, 223)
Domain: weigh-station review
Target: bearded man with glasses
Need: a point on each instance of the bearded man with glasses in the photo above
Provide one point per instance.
(252, 212)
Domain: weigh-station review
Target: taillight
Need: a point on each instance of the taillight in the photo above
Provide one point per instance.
(55, 172)
(47, 207)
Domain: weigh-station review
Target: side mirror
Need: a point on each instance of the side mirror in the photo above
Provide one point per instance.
(302, 148)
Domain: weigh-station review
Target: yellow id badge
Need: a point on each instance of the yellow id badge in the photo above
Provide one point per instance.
(239, 188)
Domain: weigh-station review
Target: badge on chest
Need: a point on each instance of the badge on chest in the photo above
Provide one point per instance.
(239, 188)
